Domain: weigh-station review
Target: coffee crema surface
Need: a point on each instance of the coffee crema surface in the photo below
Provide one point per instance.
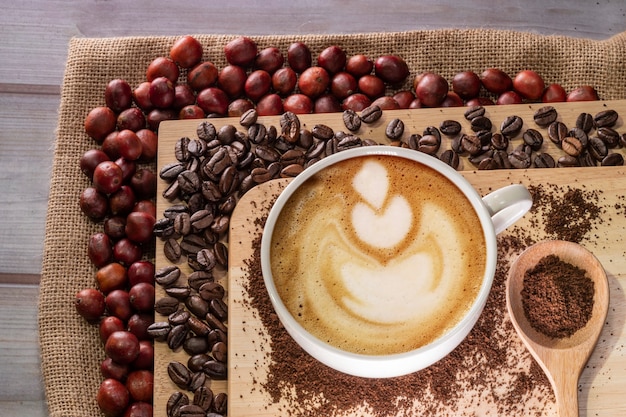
(378, 255)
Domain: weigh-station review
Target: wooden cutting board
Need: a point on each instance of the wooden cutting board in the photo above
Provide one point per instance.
(601, 383)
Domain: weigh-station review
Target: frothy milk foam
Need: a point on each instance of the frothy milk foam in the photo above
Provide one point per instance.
(378, 255)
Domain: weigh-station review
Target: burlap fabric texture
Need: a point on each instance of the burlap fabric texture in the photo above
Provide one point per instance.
(70, 348)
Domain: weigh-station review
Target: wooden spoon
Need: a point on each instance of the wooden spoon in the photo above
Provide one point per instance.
(561, 359)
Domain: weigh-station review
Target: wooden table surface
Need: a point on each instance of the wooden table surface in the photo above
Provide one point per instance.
(33, 46)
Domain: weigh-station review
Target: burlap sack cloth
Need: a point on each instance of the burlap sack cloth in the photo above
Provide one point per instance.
(71, 351)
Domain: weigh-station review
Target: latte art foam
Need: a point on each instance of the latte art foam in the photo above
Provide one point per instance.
(378, 255)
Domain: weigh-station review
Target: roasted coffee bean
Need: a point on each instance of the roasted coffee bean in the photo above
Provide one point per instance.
(597, 148)
(248, 118)
(175, 210)
(196, 147)
(605, 118)
(369, 142)
(394, 129)
(511, 126)
(159, 330)
(220, 352)
(197, 306)
(349, 142)
(544, 160)
(178, 317)
(215, 323)
(167, 275)
(545, 115)
(499, 141)
(203, 397)
(174, 402)
(193, 164)
(197, 326)
(191, 410)
(171, 171)
(323, 132)
(622, 140)
(571, 146)
(485, 138)
(579, 134)
(211, 290)
(196, 362)
(172, 250)
(195, 345)
(586, 160)
(429, 144)
(257, 133)
(215, 370)
(557, 131)
(613, 159)
(412, 142)
(166, 305)
(290, 127)
(220, 403)
(432, 130)
(292, 156)
(218, 308)
(533, 138)
(210, 191)
(206, 258)
(212, 167)
(181, 153)
(371, 113)
(456, 144)
(585, 122)
(267, 154)
(198, 379)
(246, 160)
(221, 254)
(450, 127)
(473, 112)
(178, 292)
(229, 181)
(351, 120)
(192, 244)
(220, 224)
(226, 134)
(206, 131)
(567, 161)
(201, 219)
(480, 123)
(478, 158)
(176, 337)
(182, 224)
(609, 136)
(306, 139)
(188, 182)
(291, 170)
(501, 158)
(471, 144)
(488, 164)
(519, 159)
(451, 158)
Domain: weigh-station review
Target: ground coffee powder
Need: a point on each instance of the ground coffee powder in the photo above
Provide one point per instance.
(557, 297)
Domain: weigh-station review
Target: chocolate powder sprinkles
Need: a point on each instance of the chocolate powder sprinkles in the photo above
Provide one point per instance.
(491, 370)
(557, 297)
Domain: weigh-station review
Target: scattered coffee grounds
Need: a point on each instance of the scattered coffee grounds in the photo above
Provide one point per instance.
(567, 214)
(557, 297)
(490, 369)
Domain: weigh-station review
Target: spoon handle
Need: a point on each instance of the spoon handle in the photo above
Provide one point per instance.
(566, 392)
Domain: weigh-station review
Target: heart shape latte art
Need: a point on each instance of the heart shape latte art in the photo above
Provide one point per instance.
(379, 211)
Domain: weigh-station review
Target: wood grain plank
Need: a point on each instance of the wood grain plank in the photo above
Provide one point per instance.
(26, 153)
(21, 391)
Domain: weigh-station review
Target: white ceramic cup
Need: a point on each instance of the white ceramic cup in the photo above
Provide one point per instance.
(496, 211)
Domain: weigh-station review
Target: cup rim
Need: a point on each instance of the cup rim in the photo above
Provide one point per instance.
(381, 365)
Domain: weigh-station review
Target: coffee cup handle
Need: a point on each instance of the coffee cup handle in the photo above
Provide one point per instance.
(507, 205)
